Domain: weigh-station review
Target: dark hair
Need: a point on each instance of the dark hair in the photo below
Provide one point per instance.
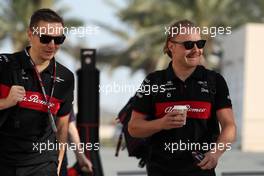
(47, 15)
(172, 33)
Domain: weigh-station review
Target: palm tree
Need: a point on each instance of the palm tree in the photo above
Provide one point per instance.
(148, 19)
(14, 19)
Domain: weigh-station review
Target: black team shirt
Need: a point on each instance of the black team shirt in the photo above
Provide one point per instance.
(20, 143)
(158, 94)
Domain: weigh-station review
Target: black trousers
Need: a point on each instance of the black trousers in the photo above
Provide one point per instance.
(45, 169)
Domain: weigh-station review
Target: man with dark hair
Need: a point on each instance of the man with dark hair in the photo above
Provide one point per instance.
(44, 15)
(181, 144)
(36, 94)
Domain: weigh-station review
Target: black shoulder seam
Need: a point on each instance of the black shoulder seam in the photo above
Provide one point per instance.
(157, 76)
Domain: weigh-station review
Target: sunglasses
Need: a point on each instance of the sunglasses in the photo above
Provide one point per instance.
(190, 44)
(45, 39)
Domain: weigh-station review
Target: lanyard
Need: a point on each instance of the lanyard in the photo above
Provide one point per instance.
(51, 118)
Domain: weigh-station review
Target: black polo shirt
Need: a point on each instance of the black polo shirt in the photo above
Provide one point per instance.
(158, 94)
(17, 141)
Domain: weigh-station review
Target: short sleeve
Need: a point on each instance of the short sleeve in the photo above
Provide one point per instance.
(72, 116)
(143, 99)
(222, 99)
(66, 105)
(3, 62)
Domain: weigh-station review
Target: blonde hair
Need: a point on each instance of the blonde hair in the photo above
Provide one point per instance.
(176, 25)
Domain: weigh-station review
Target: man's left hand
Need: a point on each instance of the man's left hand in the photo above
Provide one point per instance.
(85, 163)
(210, 160)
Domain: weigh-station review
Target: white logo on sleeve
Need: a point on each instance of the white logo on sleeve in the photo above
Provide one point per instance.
(58, 79)
(168, 95)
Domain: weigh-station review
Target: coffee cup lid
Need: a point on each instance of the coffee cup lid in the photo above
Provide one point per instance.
(180, 107)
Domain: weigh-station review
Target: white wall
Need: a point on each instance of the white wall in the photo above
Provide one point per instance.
(233, 72)
(243, 67)
(253, 123)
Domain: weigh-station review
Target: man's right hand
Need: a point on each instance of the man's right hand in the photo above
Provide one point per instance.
(172, 120)
(16, 94)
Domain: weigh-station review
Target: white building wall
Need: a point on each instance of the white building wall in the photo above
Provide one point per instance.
(243, 68)
(253, 120)
(233, 72)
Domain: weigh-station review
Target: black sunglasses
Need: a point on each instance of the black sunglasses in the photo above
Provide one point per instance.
(190, 44)
(45, 39)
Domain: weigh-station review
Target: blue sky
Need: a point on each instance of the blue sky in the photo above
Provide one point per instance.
(96, 10)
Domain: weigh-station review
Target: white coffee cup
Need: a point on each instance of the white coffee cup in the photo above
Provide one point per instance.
(181, 109)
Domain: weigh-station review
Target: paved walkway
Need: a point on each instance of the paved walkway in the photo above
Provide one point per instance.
(231, 161)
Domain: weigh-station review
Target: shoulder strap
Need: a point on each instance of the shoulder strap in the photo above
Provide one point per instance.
(211, 81)
(121, 117)
(16, 70)
(213, 124)
(18, 80)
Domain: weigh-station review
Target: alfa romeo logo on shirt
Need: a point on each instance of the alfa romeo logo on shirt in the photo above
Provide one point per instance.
(35, 99)
(190, 109)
